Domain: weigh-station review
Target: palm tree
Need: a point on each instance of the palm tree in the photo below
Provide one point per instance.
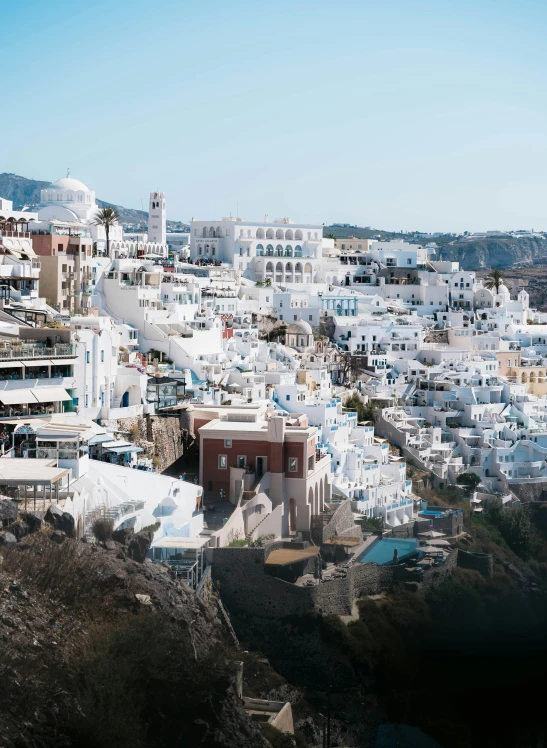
(494, 279)
(107, 217)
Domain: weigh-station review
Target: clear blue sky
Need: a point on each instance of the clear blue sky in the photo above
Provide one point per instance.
(393, 114)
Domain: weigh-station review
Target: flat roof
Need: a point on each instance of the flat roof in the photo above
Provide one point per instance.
(288, 556)
(342, 540)
(18, 470)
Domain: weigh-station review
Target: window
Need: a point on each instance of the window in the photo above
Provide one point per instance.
(409, 261)
(241, 461)
(281, 305)
(222, 462)
(293, 465)
(311, 462)
(227, 443)
(310, 317)
(87, 357)
(102, 356)
(287, 397)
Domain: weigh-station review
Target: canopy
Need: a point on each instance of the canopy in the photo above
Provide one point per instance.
(429, 549)
(100, 439)
(124, 449)
(63, 361)
(10, 364)
(17, 397)
(50, 394)
(432, 534)
(37, 362)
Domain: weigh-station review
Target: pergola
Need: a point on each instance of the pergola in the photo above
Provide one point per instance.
(34, 479)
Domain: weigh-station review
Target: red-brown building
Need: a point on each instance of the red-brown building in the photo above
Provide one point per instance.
(269, 449)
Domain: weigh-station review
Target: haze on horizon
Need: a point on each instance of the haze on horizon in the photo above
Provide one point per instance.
(423, 116)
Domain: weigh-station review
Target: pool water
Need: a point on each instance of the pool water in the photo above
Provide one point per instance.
(381, 552)
(433, 512)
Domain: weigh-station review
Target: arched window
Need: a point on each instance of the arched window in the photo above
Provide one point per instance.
(269, 250)
(288, 251)
(279, 251)
(289, 234)
(289, 271)
(270, 234)
(279, 234)
(279, 272)
(205, 231)
(260, 233)
(259, 250)
(298, 251)
(269, 269)
(212, 231)
(298, 235)
(218, 231)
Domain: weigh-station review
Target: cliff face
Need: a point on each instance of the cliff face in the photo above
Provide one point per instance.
(497, 252)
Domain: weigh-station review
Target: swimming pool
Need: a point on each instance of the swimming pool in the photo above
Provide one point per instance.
(381, 552)
(433, 512)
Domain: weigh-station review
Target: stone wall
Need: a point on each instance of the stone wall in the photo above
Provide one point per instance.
(481, 562)
(340, 523)
(159, 436)
(245, 587)
(528, 492)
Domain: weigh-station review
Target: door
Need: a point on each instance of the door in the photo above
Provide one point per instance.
(261, 463)
(292, 515)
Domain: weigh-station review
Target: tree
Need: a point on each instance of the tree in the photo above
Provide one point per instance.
(330, 236)
(268, 282)
(469, 480)
(107, 217)
(350, 366)
(494, 279)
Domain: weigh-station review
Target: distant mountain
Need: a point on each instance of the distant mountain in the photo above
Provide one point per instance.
(26, 193)
(504, 251)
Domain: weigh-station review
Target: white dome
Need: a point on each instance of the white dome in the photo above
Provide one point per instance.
(68, 183)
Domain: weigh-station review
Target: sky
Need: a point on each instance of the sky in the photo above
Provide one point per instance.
(400, 115)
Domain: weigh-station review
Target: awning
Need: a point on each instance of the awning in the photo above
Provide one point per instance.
(100, 439)
(50, 394)
(36, 362)
(17, 397)
(10, 364)
(63, 361)
(124, 450)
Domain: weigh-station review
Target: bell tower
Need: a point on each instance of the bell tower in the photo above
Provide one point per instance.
(157, 218)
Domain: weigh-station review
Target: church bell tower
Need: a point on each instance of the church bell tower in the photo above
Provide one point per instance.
(157, 218)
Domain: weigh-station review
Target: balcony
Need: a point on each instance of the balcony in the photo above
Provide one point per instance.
(28, 351)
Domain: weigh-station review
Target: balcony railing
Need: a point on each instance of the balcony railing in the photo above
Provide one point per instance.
(16, 352)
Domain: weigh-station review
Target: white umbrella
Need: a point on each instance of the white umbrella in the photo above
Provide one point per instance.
(427, 549)
(438, 543)
(432, 534)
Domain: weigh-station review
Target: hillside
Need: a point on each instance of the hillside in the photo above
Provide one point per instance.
(472, 254)
(26, 193)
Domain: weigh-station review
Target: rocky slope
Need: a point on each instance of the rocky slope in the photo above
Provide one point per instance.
(98, 649)
(497, 252)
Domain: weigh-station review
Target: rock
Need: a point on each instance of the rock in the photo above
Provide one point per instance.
(32, 520)
(110, 545)
(19, 529)
(144, 599)
(139, 545)
(8, 510)
(58, 536)
(60, 520)
(7, 539)
(123, 536)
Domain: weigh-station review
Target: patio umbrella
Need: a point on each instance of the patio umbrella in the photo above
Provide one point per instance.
(432, 534)
(427, 549)
(438, 543)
